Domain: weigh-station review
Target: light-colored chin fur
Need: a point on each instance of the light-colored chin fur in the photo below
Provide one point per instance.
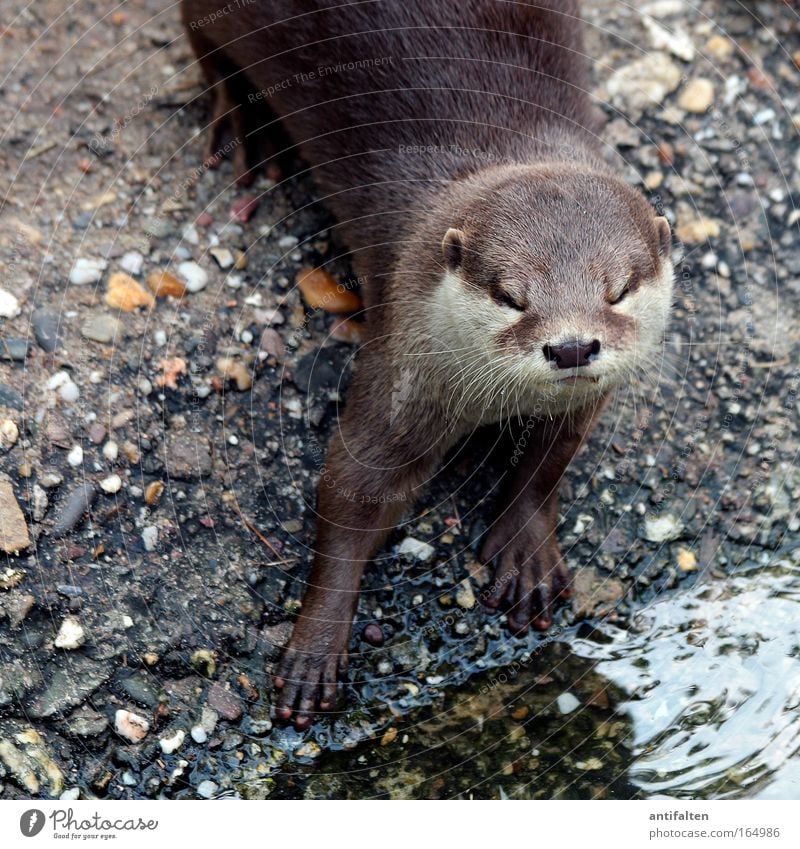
(478, 382)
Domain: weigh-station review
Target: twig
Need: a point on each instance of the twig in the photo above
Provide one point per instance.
(253, 529)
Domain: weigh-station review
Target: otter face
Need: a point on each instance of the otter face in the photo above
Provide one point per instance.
(564, 277)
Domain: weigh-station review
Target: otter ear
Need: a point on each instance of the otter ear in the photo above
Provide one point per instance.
(664, 236)
(453, 248)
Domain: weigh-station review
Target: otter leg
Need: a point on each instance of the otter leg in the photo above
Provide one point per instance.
(369, 481)
(227, 111)
(529, 571)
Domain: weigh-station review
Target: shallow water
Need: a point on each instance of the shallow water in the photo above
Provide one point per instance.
(699, 698)
(713, 682)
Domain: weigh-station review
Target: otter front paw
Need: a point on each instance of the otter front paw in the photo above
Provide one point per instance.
(529, 577)
(307, 679)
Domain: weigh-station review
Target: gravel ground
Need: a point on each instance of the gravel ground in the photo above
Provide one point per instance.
(159, 454)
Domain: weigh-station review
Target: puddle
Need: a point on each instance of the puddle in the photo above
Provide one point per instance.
(698, 699)
(713, 683)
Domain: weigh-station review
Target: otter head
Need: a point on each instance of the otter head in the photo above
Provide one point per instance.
(563, 276)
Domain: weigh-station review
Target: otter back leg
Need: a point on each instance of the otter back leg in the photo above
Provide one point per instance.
(228, 112)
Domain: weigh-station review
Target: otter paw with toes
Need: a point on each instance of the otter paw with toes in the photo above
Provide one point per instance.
(307, 682)
(529, 578)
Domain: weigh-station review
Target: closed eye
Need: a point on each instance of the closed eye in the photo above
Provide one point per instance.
(631, 285)
(505, 298)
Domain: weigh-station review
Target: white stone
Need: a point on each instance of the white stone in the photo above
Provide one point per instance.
(416, 548)
(111, 450)
(69, 392)
(87, 271)
(132, 262)
(675, 40)
(150, 537)
(199, 734)
(75, 456)
(190, 235)
(567, 703)
(70, 635)
(111, 484)
(131, 726)
(9, 434)
(9, 305)
(195, 277)
(663, 528)
(39, 503)
(223, 257)
(58, 380)
(207, 789)
(645, 82)
(173, 743)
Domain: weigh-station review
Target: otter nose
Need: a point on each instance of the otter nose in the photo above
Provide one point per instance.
(572, 354)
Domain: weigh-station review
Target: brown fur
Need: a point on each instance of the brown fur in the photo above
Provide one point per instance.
(479, 127)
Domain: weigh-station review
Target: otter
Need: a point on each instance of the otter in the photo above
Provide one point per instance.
(506, 271)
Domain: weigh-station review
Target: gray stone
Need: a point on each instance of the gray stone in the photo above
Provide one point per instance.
(100, 328)
(69, 685)
(14, 348)
(188, 456)
(45, 326)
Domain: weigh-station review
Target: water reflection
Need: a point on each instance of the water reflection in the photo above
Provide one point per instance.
(713, 687)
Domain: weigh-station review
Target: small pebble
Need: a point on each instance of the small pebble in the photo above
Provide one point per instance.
(196, 278)
(199, 734)
(321, 291)
(416, 548)
(78, 502)
(100, 328)
(237, 371)
(373, 634)
(70, 635)
(111, 484)
(223, 257)
(15, 349)
(662, 528)
(173, 743)
(45, 329)
(97, 433)
(152, 495)
(14, 536)
(9, 305)
(697, 96)
(111, 450)
(87, 270)
(9, 434)
(75, 456)
(162, 284)
(567, 703)
(207, 789)
(131, 726)
(150, 537)
(132, 262)
(125, 294)
(69, 392)
(50, 480)
(272, 344)
(244, 208)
